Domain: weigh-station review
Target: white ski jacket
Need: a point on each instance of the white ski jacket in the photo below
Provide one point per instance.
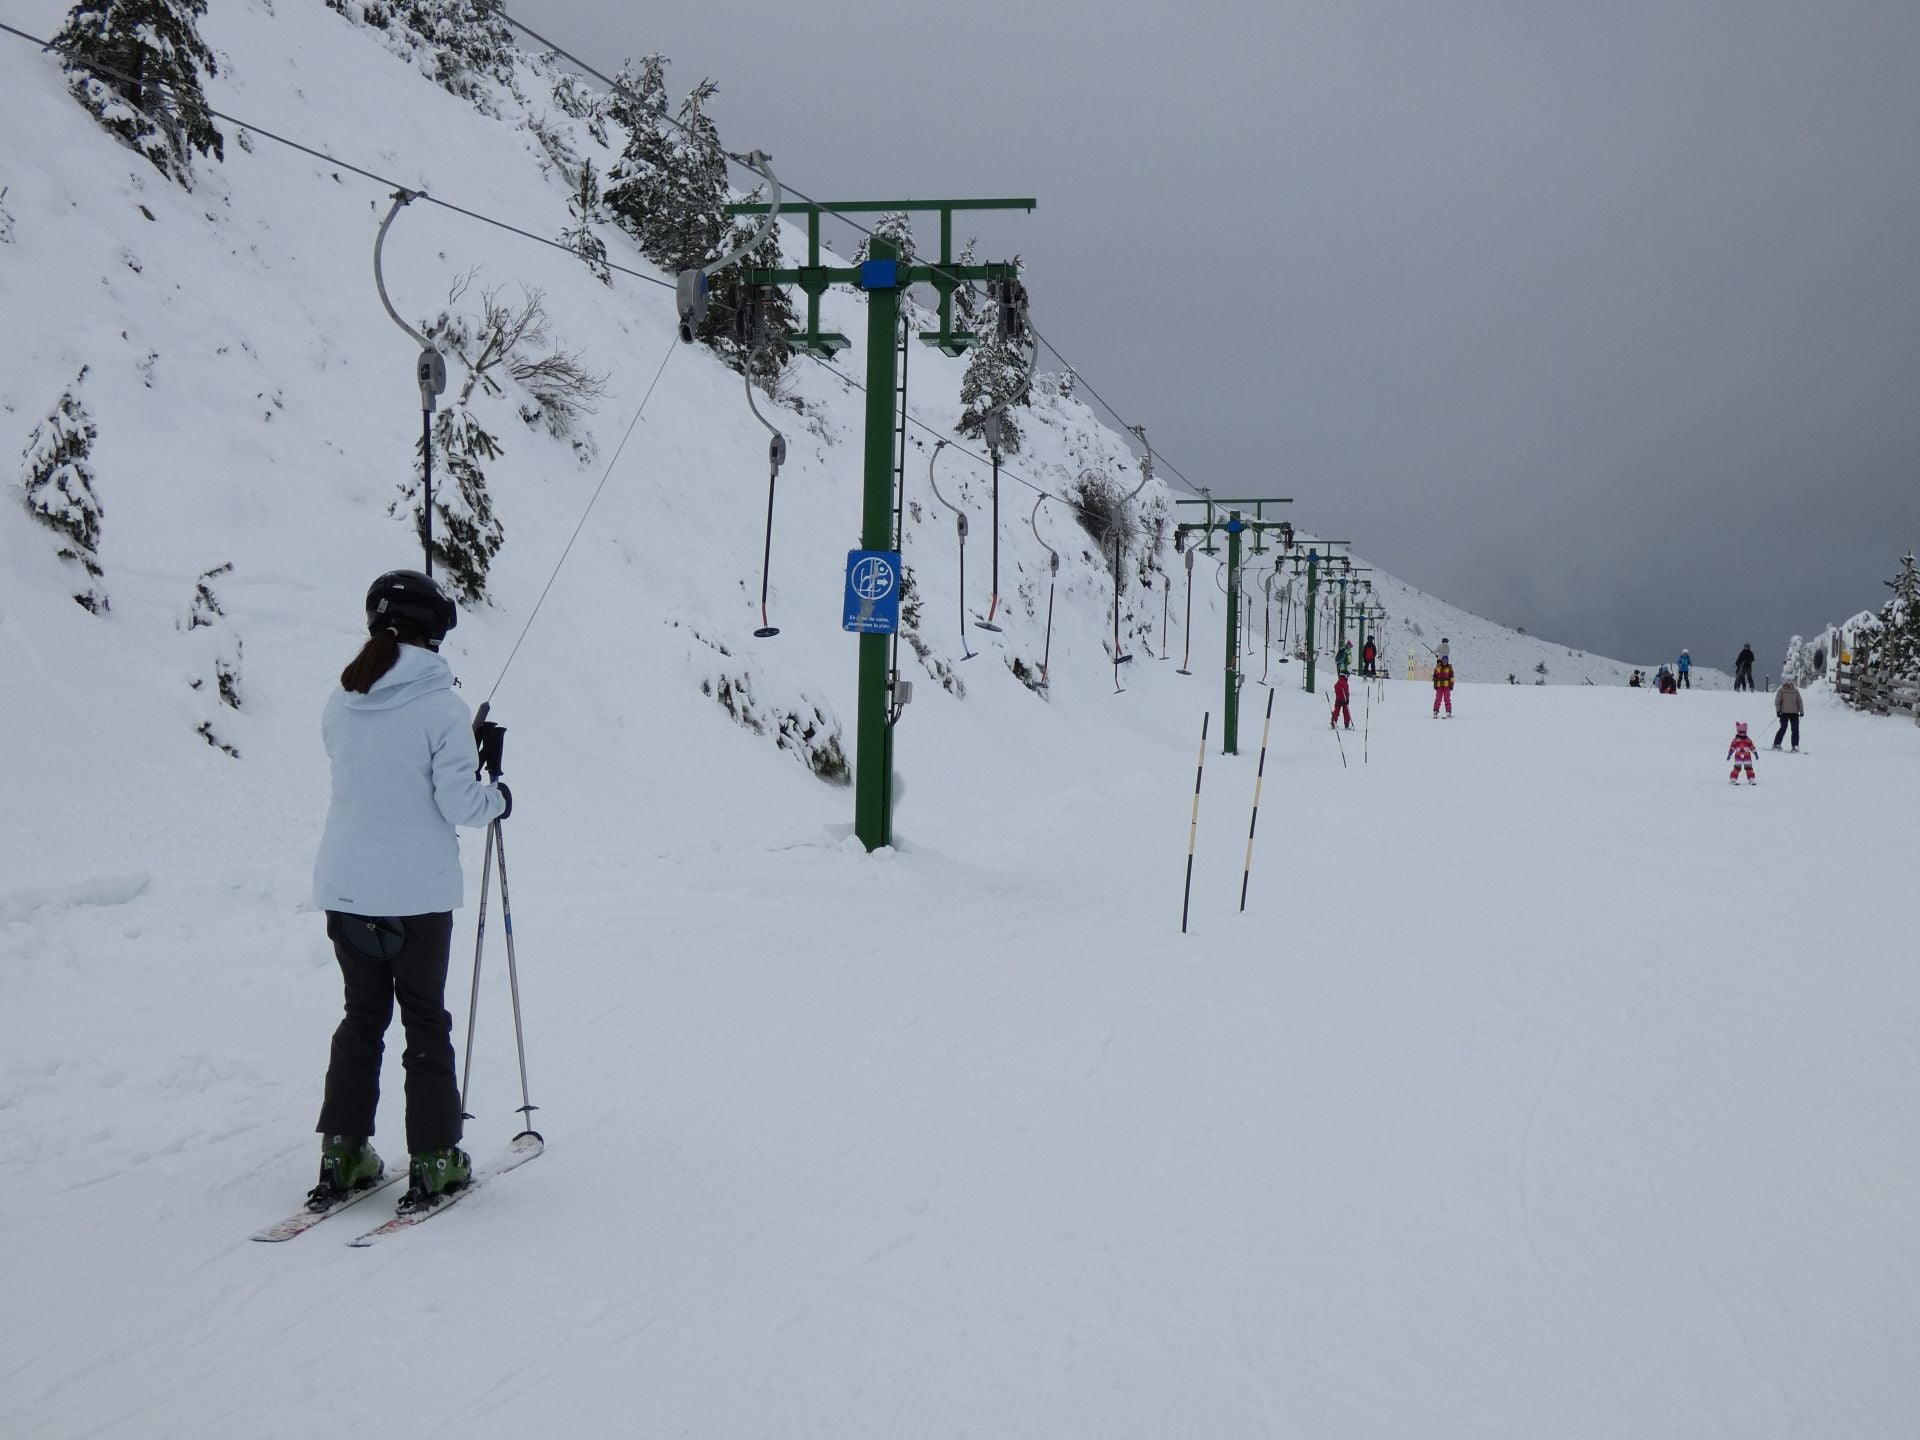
(403, 767)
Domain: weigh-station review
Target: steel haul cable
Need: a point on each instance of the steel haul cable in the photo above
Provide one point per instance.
(672, 345)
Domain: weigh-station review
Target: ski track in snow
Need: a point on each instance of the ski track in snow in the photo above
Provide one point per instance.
(1549, 1086)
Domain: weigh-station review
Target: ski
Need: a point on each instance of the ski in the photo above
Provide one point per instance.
(302, 1221)
(524, 1148)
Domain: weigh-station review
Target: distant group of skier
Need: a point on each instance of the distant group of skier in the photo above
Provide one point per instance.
(1342, 716)
(1369, 659)
(1672, 679)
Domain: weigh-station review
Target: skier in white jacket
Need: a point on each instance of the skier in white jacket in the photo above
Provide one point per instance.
(405, 773)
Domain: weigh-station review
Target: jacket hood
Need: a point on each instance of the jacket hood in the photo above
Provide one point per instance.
(417, 672)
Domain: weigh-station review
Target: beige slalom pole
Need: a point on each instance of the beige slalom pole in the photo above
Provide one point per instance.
(1193, 829)
(1259, 776)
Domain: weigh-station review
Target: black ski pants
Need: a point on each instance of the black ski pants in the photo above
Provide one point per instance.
(382, 960)
(1785, 721)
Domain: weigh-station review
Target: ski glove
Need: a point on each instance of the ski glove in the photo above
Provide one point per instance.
(490, 743)
(505, 794)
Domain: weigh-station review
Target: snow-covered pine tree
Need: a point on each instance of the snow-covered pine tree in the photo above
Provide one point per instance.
(897, 226)
(638, 184)
(467, 43)
(556, 145)
(669, 188)
(135, 65)
(1899, 648)
(1795, 659)
(970, 308)
(995, 367)
(584, 205)
(466, 533)
(894, 225)
(57, 485)
(1057, 385)
(572, 98)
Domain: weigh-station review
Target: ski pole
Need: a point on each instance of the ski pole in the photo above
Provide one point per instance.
(479, 939)
(1193, 828)
(527, 1107)
(1341, 743)
(1366, 728)
(1259, 776)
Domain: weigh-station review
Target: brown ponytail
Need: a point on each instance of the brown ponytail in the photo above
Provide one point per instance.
(376, 657)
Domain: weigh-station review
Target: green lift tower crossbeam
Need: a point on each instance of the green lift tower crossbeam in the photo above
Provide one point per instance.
(947, 277)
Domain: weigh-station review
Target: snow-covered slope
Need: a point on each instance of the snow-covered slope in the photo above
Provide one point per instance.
(1481, 1120)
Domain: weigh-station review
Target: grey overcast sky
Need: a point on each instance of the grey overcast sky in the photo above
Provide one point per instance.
(1603, 320)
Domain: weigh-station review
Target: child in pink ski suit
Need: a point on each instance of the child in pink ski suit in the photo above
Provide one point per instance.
(1340, 706)
(1741, 752)
(1442, 684)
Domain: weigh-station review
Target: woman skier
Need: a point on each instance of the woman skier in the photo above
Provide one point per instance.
(1788, 707)
(1741, 753)
(1442, 684)
(405, 765)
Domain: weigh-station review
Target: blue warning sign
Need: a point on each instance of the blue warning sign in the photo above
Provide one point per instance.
(873, 592)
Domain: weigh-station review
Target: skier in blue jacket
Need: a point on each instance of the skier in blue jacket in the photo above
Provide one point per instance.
(1684, 667)
(405, 764)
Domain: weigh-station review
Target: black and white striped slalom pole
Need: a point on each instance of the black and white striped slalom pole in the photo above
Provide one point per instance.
(1193, 828)
(1259, 776)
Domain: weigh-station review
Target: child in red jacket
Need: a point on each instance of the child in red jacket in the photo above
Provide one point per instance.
(1340, 707)
(1740, 752)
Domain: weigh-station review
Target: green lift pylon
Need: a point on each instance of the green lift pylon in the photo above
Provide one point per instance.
(1234, 527)
(883, 278)
(1314, 561)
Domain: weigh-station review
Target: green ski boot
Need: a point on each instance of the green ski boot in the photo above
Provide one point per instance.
(347, 1163)
(434, 1174)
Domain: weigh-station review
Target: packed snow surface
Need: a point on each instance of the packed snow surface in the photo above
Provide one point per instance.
(1548, 1085)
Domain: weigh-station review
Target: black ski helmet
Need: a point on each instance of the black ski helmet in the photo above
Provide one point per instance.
(411, 604)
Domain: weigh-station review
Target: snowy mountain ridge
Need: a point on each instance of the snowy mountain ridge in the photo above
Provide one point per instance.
(250, 300)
